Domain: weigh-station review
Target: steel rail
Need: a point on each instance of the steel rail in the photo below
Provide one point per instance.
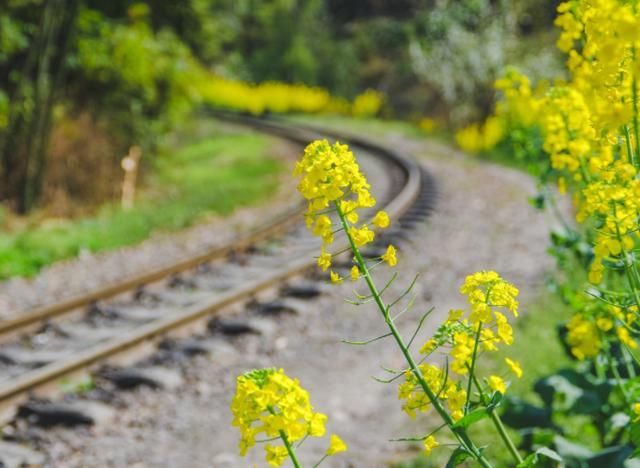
(14, 392)
(48, 311)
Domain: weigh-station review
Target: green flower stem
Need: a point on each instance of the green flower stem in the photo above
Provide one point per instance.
(636, 126)
(473, 366)
(460, 433)
(629, 364)
(292, 453)
(497, 422)
(627, 138)
(629, 264)
(287, 444)
(613, 364)
(320, 462)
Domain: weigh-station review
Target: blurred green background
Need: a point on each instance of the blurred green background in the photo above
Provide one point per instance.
(82, 81)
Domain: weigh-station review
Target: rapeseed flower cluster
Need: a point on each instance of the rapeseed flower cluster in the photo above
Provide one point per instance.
(463, 337)
(270, 405)
(332, 183)
(519, 108)
(596, 123)
(590, 125)
(416, 400)
(281, 98)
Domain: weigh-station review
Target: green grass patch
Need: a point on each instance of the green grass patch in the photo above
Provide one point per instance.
(207, 169)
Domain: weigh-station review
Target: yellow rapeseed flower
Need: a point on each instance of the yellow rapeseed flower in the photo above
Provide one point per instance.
(497, 384)
(514, 366)
(390, 256)
(361, 236)
(275, 455)
(336, 445)
(381, 220)
(429, 444)
(354, 273)
(324, 260)
(335, 277)
(269, 404)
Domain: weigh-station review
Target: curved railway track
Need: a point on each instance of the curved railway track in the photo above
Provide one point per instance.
(119, 322)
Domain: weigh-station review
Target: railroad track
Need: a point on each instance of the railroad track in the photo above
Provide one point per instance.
(121, 322)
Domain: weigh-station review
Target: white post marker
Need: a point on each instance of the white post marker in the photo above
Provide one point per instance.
(130, 164)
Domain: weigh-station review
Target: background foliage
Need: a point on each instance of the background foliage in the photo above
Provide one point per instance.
(92, 77)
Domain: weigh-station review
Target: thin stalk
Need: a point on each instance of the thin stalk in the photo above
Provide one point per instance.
(292, 453)
(472, 368)
(630, 152)
(556, 210)
(287, 444)
(628, 263)
(497, 422)
(628, 362)
(613, 364)
(320, 461)
(634, 92)
(458, 432)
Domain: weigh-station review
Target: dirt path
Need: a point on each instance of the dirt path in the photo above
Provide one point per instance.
(482, 221)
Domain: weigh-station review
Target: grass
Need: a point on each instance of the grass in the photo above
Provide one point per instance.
(207, 169)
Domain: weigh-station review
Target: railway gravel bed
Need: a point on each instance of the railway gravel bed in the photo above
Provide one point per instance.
(482, 221)
(88, 271)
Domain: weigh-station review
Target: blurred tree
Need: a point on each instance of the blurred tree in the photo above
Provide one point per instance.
(128, 67)
(35, 48)
(66, 56)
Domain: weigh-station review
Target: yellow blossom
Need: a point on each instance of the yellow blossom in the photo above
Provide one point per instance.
(514, 366)
(625, 337)
(275, 455)
(324, 260)
(336, 445)
(583, 337)
(455, 315)
(390, 256)
(270, 404)
(335, 277)
(497, 384)
(361, 236)
(354, 273)
(381, 220)
(428, 347)
(429, 444)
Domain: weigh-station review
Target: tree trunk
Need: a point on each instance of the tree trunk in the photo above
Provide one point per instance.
(25, 146)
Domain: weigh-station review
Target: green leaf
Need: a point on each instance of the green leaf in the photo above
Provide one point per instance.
(568, 449)
(495, 401)
(533, 459)
(618, 421)
(573, 392)
(548, 453)
(529, 462)
(519, 414)
(471, 418)
(458, 456)
(611, 456)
